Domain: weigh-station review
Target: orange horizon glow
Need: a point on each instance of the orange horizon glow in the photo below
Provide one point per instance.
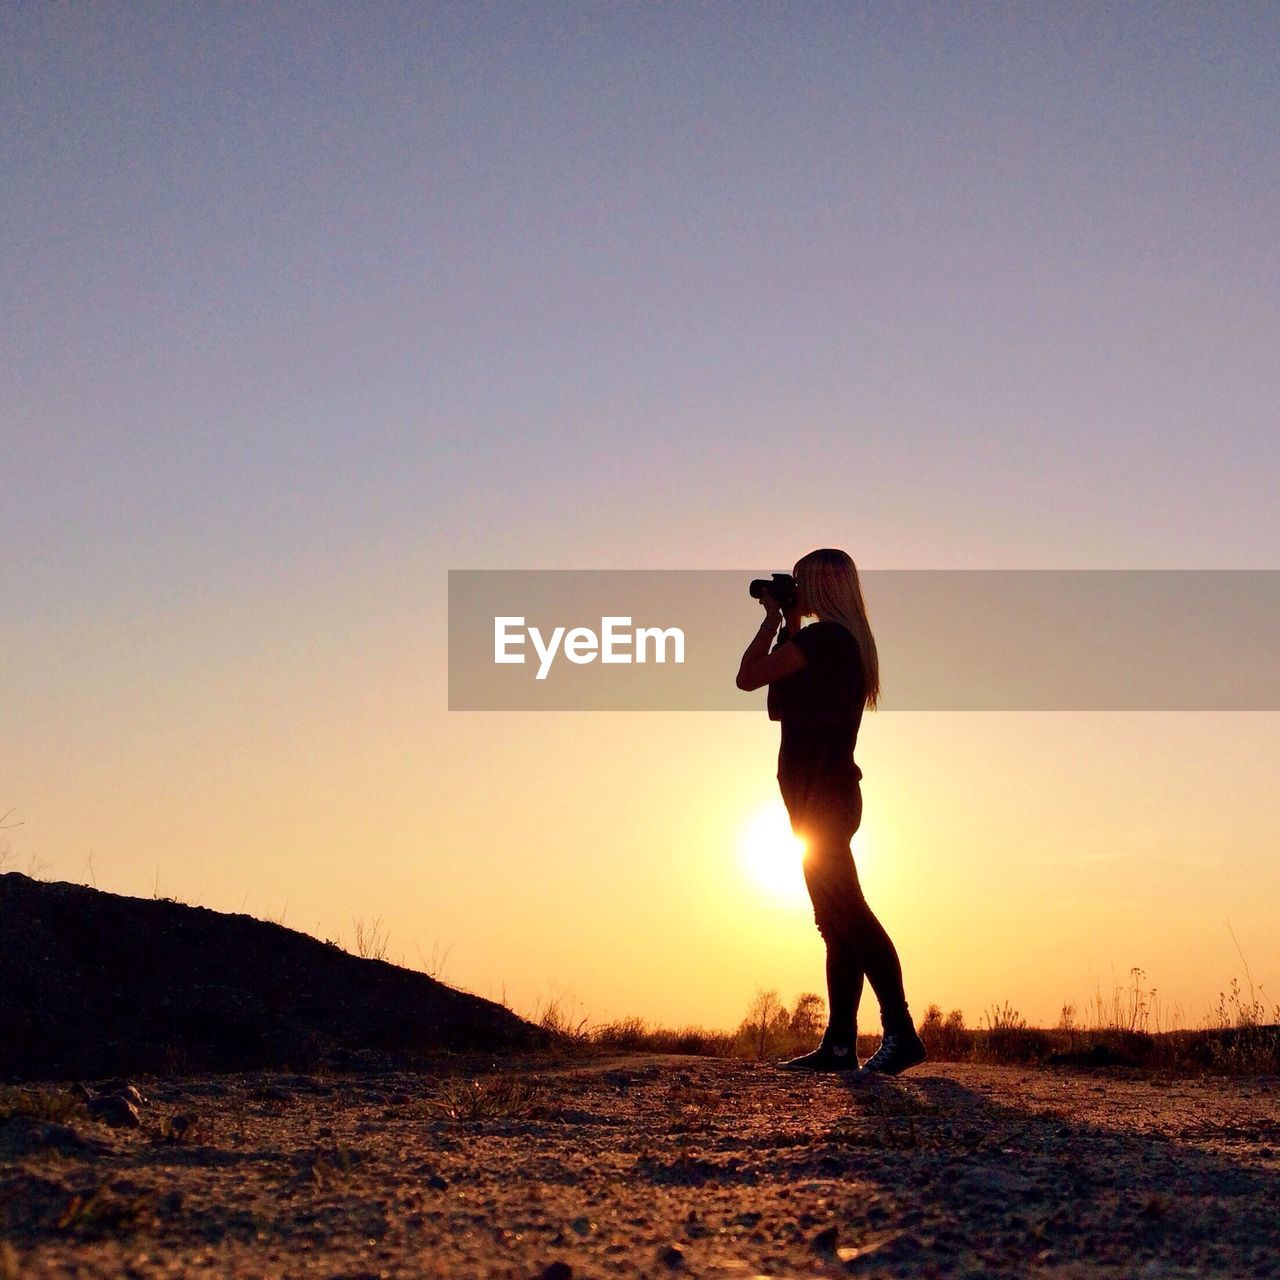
(641, 872)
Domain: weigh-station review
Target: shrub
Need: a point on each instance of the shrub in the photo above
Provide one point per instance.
(1009, 1039)
(946, 1040)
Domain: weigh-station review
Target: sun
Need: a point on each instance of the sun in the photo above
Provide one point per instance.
(773, 855)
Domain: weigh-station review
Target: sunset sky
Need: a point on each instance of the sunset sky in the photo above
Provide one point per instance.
(306, 305)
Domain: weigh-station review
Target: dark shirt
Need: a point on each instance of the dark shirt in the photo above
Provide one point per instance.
(820, 707)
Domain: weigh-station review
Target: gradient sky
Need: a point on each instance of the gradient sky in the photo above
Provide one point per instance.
(305, 305)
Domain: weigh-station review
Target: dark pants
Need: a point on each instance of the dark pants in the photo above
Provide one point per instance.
(825, 816)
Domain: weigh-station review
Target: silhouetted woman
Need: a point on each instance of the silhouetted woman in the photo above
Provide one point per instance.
(820, 678)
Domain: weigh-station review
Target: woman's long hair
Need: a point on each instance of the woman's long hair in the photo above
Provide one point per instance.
(828, 580)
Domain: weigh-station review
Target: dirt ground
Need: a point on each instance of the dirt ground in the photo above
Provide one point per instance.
(652, 1165)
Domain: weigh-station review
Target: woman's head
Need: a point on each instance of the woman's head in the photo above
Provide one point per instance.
(827, 585)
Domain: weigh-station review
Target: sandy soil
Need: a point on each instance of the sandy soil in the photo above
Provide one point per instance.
(654, 1166)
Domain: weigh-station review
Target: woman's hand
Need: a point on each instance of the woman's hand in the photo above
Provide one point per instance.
(775, 613)
(772, 609)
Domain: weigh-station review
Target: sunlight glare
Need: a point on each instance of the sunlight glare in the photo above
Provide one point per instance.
(773, 855)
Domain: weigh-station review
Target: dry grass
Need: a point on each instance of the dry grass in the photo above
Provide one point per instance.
(492, 1097)
(1128, 1028)
(40, 1104)
(105, 1212)
(371, 939)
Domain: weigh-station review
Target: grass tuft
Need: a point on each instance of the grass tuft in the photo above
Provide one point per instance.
(492, 1097)
(104, 1212)
(41, 1104)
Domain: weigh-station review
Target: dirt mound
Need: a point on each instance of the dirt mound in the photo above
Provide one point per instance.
(93, 984)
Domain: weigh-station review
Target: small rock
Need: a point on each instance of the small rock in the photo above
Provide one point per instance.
(990, 1183)
(437, 1183)
(556, 1270)
(182, 1125)
(582, 1225)
(573, 1115)
(125, 1089)
(671, 1256)
(1155, 1206)
(203, 1089)
(825, 1240)
(302, 1082)
(116, 1110)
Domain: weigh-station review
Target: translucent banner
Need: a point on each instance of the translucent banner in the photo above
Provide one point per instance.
(947, 639)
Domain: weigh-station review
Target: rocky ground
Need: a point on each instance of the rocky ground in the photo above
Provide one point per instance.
(643, 1165)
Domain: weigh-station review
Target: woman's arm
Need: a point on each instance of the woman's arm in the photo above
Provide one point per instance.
(760, 667)
(791, 624)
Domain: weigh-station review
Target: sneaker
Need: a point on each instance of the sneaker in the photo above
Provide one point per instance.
(826, 1057)
(896, 1053)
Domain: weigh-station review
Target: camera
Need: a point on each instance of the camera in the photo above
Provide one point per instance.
(782, 587)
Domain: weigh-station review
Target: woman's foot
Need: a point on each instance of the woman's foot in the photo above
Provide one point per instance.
(826, 1057)
(897, 1052)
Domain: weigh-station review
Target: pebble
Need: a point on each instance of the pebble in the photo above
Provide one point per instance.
(182, 1124)
(672, 1255)
(125, 1089)
(825, 1240)
(556, 1270)
(116, 1110)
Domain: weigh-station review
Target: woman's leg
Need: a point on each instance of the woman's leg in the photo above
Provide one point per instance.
(844, 968)
(822, 873)
(878, 958)
(857, 943)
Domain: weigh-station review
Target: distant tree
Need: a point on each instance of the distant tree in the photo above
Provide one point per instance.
(946, 1040)
(808, 1016)
(766, 1017)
